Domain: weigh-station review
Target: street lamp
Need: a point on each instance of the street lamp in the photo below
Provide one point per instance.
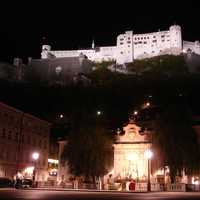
(61, 116)
(35, 157)
(148, 154)
(99, 112)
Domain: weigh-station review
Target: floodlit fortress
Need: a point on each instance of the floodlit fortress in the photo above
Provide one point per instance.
(132, 46)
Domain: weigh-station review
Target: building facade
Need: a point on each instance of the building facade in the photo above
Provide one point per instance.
(129, 154)
(130, 46)
(21, 135)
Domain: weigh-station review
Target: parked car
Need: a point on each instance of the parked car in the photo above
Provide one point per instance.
(5, 182)
(23, 183)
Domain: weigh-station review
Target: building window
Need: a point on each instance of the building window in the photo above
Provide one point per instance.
(154, 36)
(16, 136)
(162, 36)
(121, 39)
(128, 42)
(145, 42)
(153, 51)
(129, 38)
(9, 135)
(121, 43)
(3, 133)
(121, 52)
(163, 40)
(154, 41)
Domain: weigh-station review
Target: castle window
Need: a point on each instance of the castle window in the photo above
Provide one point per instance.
(154, 36)
(145, 42)
(9, 135)
(162, 36)
(121, 43)
(3, 133)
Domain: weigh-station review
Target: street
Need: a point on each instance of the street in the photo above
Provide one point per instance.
(11, 194)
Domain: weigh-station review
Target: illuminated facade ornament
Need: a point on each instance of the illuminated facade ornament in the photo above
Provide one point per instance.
(58, 70)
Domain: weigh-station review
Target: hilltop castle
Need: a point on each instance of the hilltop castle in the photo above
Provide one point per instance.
(132, 46)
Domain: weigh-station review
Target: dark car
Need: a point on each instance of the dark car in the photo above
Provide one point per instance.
(5, 182)
(26, 183)
(23, 183)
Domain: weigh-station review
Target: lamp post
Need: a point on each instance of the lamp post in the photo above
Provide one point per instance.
(35, 157)
(148, 154)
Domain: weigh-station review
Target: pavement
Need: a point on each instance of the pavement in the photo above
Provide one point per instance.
(35, 194)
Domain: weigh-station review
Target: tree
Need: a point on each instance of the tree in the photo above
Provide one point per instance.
(89, 148)
(177, 140)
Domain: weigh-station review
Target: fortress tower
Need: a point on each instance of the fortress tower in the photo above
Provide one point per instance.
(175, 39)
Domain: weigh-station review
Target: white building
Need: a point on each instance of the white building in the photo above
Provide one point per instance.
(132, 46)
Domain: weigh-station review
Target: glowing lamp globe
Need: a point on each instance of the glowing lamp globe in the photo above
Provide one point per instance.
(148, 154)
(35, 155)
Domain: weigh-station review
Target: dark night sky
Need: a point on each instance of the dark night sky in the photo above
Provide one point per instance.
(73, 25)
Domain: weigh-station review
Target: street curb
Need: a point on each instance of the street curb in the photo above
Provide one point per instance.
(83, 190)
